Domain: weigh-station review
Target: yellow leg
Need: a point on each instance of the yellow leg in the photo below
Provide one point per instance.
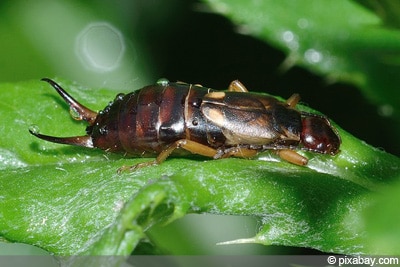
(237, 86)
(191, 146)
(293, 100)
(239, 152)
(292, 157)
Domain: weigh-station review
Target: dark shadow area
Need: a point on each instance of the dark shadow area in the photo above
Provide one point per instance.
(206, 48)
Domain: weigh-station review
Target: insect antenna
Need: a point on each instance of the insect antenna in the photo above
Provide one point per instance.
(78, 111)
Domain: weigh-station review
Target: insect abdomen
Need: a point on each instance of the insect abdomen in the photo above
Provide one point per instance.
(148, 120)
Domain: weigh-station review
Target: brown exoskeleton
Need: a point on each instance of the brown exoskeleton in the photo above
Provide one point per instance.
(160, 118)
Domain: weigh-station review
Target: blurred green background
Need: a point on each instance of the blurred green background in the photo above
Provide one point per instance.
(129, 44)
(124, 45)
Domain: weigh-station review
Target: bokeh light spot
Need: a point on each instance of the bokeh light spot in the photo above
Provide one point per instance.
(100, 47)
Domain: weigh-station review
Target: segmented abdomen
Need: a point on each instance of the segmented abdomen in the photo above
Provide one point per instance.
(148, 120)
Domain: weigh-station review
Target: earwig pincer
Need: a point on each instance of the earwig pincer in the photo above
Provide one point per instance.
(168, 117)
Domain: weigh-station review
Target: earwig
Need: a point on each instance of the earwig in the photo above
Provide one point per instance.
(161, 118)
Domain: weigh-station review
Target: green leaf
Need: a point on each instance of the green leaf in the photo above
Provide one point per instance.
(70, 200)
(388, 11)
(381, 220)
(338, 39)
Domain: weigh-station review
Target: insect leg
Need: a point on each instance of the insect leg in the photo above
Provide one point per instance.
(237, 86)
(239, 152)
(191, 146)
(292, 157)
(293, 100)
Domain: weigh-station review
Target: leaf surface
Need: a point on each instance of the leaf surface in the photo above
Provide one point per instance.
(70, 200)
